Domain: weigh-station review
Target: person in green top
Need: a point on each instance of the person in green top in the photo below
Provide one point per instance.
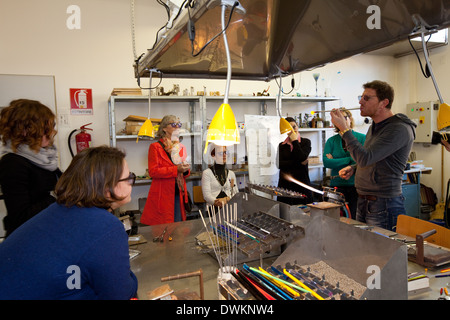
(336, 156)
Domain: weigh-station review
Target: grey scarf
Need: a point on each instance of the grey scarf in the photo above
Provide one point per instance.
(46, 158)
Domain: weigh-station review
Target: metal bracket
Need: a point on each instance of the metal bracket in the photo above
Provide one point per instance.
(420, 254)
(421, 26)
(424, 28)
(229, 3)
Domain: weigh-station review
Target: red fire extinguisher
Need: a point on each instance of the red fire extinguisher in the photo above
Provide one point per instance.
(82, 139)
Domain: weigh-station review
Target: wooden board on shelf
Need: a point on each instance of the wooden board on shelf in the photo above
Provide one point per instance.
(140, 118)
(126, 92)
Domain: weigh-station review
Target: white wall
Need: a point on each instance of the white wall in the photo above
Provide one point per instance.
(35, 40)
(413, 87)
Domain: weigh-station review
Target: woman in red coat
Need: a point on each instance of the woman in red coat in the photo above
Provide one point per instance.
(167, 194)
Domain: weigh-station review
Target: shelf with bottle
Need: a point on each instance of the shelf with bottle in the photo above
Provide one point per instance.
(134, 136)
(194, 116)
(138, 105)
(273, 98)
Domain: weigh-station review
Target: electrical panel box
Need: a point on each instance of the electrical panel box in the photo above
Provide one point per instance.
(424, 114)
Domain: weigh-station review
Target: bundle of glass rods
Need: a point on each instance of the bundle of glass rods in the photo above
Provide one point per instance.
(278, 284)
(223, 234)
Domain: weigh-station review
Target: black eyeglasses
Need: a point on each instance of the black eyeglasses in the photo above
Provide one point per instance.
(366, 97)
(176, 124)
(131, 179)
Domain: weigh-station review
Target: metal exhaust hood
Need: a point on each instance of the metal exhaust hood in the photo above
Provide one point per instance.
(284, 35)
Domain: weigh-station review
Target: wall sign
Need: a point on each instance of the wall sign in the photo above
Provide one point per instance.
(81, 102)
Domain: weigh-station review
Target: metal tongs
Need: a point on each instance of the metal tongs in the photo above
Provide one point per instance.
(160, 238)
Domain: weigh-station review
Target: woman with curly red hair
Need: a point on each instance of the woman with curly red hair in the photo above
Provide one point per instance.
(28, 160)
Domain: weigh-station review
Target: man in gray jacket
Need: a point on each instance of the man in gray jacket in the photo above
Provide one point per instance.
(381, 162)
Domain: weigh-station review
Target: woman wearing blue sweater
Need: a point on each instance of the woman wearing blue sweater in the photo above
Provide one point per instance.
(76, 248)
(336, 156)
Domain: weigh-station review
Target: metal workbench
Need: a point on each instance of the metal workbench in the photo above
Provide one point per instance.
(183, 255)
(169, 258)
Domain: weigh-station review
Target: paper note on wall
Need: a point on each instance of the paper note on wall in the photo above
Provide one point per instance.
(262, 136)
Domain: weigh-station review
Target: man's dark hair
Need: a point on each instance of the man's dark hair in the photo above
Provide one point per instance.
(383, 90)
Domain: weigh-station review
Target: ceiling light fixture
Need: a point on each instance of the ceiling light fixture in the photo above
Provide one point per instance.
(285, 126)
(223, 130)
(147, 128)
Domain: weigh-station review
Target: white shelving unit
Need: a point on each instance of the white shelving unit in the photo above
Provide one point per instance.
(196, 112)
(188, 109)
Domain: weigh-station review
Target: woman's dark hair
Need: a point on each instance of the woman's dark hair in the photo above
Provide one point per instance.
(213, 149)
(26, 122)
(91, 174)
(290, 119)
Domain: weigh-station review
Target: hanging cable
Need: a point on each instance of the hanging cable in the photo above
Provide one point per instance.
(133, 31)
(224, 28)
(430, 69)
(149, 94)
(133, 27)
(186, 4)
(227, 51)
(292, 85)
(166, 7)
(151, 71)
(279, 97)
(425, 72)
